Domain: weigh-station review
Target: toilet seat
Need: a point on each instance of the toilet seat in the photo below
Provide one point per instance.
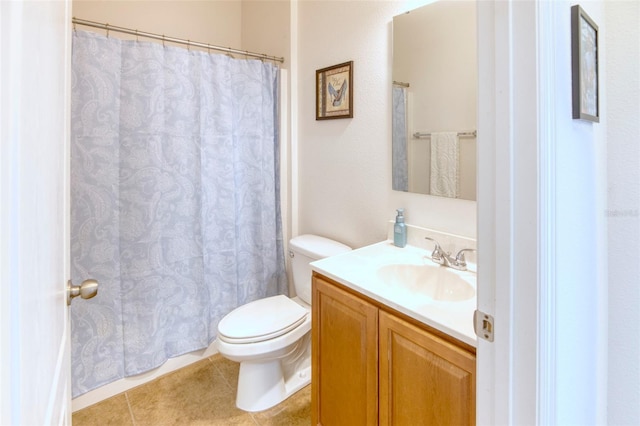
(261, 320)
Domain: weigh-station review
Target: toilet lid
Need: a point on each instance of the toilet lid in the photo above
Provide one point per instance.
(261, 320)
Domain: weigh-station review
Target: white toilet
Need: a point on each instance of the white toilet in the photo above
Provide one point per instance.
(271, 337)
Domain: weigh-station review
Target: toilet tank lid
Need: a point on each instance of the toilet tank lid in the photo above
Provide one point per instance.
(316, 247)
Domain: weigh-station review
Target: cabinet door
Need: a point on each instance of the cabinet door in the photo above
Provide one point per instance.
(344, 358)
(423, 379)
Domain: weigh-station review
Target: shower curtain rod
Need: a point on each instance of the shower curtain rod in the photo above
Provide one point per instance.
(400, 83)
(164, 38)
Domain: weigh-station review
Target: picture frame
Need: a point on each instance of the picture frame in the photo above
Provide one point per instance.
(584, 66)
(334, 92)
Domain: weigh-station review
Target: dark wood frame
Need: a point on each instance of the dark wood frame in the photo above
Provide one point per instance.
(323, 111)
(578, 72)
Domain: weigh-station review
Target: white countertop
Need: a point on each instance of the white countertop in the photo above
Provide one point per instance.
(359, 270)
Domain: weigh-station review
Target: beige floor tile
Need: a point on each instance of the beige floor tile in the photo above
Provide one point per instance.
(112, 411)
(294, 411)
(194, 395)
(228, 369)
(200, 394)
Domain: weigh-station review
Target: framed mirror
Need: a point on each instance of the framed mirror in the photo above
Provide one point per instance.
(435, 100)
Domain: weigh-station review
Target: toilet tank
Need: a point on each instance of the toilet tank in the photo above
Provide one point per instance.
(305, 249)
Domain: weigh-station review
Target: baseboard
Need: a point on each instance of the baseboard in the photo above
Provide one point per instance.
(123, 385)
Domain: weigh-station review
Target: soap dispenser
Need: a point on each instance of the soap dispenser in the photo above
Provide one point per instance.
(400, 230)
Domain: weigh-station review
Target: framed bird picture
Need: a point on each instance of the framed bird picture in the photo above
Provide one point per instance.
(334, 92)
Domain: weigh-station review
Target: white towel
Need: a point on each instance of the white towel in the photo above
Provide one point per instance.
(445, 149)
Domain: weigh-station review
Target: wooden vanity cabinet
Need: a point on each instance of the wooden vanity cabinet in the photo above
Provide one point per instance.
(372, 365)
(344, 357)
(423, 376)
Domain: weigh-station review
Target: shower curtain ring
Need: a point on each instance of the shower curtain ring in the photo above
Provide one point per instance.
(137, 39)
(107, 27)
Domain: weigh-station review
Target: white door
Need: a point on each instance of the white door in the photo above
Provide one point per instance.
(541, 207)
(34, 200)
(509, 269)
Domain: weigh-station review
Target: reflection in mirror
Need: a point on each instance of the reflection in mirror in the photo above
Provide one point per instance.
(434, 100)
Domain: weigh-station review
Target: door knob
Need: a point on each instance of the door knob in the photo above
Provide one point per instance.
(86, 290)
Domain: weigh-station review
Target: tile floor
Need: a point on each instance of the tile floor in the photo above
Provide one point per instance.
(202, 393)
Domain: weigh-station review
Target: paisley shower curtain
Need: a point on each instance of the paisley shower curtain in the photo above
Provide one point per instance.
(175, 200)
(399, 154)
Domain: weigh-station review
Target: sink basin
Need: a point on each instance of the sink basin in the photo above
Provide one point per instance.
(434, 282)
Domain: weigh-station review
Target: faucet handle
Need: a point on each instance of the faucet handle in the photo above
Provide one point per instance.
(437, 255)
(460, 261)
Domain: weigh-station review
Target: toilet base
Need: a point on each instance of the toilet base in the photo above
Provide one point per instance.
(261, 385)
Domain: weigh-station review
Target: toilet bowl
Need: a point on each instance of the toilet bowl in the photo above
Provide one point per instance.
(271, 337)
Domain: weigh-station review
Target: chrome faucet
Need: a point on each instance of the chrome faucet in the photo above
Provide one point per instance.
(437, 255)
(460, 263)
(441, 257)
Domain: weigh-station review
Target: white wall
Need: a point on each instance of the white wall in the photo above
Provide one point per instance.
(214, 22)
(622, 41)
(345, 165)
(266, 28)
(580, 238)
